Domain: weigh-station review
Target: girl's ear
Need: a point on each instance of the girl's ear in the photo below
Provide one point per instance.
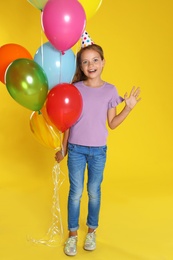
(103, 62)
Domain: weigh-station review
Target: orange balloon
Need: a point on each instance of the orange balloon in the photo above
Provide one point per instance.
(44, 131)
(9, 53)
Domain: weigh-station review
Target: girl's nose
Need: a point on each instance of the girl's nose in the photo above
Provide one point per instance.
(90, 63)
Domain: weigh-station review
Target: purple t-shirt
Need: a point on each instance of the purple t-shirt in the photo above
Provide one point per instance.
(90, 129)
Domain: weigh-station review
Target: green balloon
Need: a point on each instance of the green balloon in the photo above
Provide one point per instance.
(27, 83)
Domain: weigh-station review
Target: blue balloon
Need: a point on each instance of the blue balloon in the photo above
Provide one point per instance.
(59, 68)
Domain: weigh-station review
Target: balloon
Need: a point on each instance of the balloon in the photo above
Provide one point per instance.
(39, 4)
(58, 68)
(8, 53)
(44, 131)
(27, 83)
(63, 22)
(90, 7)
(64, 105)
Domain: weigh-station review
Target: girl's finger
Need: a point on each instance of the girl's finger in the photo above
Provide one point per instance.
(125, 95)
(132, 91)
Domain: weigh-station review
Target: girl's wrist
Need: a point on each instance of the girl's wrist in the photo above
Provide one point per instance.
(62, 152)
(127, 108)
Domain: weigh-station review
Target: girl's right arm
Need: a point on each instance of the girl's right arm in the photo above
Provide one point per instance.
(59, 156)
(115, 119)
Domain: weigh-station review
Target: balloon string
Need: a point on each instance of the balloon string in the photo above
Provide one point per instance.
(60, 66)
(54, 234)
(62, 147)
(42, 49)
(75, 60)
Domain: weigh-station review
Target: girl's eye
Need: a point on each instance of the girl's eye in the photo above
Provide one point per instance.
(85, 62)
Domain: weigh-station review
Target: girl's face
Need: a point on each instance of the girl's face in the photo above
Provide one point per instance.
(91, 64)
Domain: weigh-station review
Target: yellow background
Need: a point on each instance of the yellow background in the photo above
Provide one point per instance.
(136, 221)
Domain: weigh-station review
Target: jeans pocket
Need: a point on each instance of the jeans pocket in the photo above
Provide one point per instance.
(104, 149)
(71, 147)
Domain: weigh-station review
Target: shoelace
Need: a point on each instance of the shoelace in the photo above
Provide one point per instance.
(90, 237)
(71, 241)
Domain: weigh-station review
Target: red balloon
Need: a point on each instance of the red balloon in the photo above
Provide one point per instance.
(64, 105)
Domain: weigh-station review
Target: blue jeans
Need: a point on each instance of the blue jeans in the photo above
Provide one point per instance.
(78, 157)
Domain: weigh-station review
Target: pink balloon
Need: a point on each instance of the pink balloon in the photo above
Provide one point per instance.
(63, 22)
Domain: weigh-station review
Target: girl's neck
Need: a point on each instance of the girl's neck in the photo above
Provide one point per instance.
(93, 83)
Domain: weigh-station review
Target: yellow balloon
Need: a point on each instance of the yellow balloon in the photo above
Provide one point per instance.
(90, 7)
(44, 131)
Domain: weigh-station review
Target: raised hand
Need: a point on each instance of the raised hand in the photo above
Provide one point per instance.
(133, 98)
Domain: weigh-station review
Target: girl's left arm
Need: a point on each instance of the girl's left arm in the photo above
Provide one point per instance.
(115, 119)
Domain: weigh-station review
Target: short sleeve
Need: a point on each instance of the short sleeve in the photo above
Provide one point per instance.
(115, 99)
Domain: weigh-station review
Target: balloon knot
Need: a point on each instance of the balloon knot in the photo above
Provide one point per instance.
(63, 52)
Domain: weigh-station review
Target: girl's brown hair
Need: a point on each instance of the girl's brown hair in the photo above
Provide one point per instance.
(79, 75)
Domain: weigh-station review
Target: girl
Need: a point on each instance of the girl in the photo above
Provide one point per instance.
(86, 141)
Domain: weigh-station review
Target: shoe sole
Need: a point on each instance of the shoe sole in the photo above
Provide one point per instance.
(89, 249)
(70, 254)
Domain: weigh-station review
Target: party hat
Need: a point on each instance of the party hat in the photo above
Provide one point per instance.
(86, 40)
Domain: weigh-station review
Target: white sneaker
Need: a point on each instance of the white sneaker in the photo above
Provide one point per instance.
(90, 241)
(71, 246)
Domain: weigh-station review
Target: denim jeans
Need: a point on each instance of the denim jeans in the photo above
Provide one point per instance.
(78, 158)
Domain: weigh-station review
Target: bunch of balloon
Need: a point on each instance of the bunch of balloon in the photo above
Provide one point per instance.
(63, 23)
(64, 105)
(90, 7)
(44, 130)
(8, 53)
(27, 83)
(58, 68)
